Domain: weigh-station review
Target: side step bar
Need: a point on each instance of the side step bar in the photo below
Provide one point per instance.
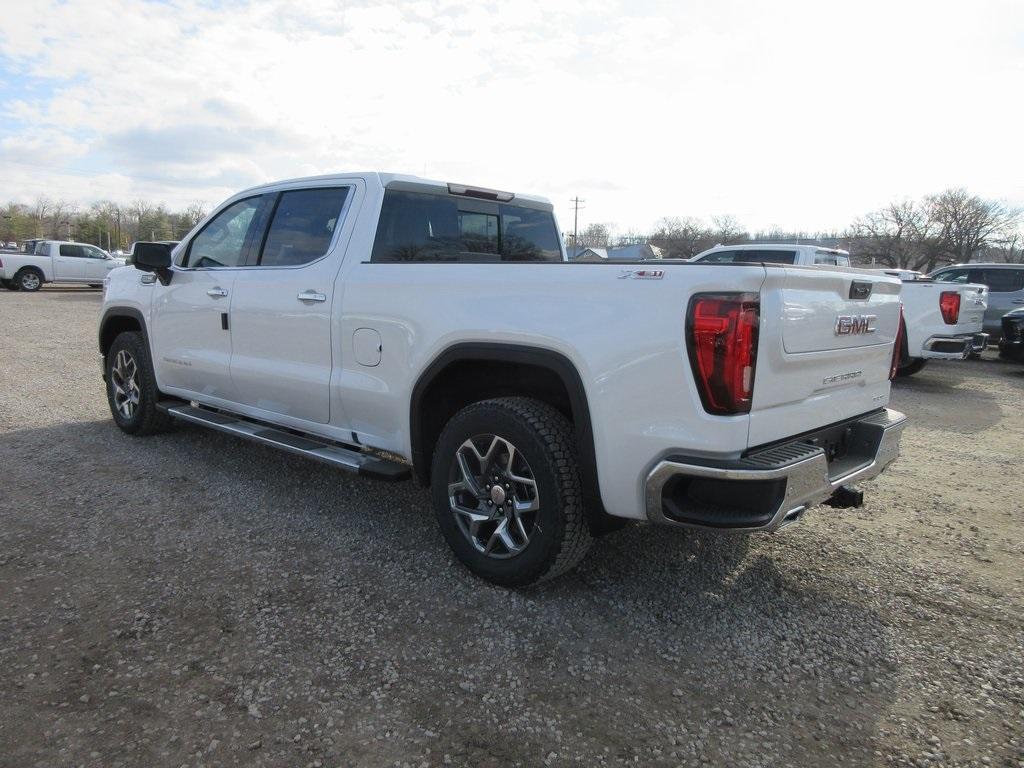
(349, 459)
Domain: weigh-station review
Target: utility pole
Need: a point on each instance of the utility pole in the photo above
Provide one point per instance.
(576, 222)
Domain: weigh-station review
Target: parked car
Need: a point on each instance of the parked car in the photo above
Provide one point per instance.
(775, 253)
(1005, 288)
(390, 325)
(1011, 345)
(942, 322)
(56, 261)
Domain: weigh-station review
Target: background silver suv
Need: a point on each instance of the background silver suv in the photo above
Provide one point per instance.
(1005, 288)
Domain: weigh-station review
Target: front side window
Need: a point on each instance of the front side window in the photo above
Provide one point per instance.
(951, 276)
(302, 227)
(75, 251)
(92, 252)
(417, 226)
(222, 242)
(719, 257)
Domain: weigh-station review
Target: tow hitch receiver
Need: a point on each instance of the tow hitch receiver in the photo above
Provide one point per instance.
(845, 498)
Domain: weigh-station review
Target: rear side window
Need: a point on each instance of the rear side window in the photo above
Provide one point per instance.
(222, 242)
(769, 255)
(415, 226)
(999, 280)
(832, 259)
(302, 226)
(751, 255)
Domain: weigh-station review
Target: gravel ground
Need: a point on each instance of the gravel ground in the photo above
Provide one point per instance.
(190, 599)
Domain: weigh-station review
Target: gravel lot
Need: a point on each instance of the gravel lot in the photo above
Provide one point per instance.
(191, 599)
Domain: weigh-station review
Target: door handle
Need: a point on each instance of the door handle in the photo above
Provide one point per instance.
(217, 293)
(311, 296)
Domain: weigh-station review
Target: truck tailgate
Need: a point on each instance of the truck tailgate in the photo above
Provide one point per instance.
(825, 349)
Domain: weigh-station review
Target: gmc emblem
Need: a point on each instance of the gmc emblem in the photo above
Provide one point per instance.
(852, 325)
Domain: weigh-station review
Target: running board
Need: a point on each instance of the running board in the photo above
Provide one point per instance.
(360, 463)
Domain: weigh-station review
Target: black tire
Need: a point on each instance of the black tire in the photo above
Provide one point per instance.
(10, 285)
(144, 418)
(559, 535)
(914, 364)
(29, 279)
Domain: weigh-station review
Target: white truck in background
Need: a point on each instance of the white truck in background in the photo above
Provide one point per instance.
(775, 253)
(56, 261)
(942, 321)
(392, 326)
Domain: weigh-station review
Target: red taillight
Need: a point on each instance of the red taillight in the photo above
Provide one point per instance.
(723, 349)
(949, 303)
(897, 347)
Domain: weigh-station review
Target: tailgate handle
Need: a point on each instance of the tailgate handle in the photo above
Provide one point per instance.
(860, 289)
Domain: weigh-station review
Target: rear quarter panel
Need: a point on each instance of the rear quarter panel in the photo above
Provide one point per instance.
(624, 336)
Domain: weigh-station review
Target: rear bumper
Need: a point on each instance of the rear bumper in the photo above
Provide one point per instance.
(772, 487)
(954, 347)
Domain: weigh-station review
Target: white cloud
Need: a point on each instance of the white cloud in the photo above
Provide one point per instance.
(802, 114)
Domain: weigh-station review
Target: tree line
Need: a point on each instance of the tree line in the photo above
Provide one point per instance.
(949, 227)
(110, 225)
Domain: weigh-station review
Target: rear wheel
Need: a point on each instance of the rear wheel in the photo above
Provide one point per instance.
(131, 387)
(506, 491)
(913, 365)
(29, 279)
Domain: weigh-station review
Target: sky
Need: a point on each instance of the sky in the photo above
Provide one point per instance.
(799, 115)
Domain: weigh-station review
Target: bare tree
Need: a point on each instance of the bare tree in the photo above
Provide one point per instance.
(965, 224)
(890, 235)
(681, 238)
(595, 236)
(726, 229)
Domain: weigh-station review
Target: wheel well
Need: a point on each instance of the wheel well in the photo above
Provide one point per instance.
(470, 373)
(112, 327)
(30, 268)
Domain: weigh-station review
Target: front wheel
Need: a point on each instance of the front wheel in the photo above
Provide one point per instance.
(506, 491)
(131, 387)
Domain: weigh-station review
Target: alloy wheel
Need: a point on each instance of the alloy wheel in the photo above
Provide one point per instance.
(124, 378)
(492, 492)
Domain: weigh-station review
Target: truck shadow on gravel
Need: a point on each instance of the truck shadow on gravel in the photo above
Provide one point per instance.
(196, 540)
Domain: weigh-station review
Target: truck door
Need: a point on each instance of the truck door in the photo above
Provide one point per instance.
(68, 261)
(281, 310)
(96, 264)
(191, 336)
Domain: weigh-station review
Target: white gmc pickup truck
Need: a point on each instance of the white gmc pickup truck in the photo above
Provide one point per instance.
(942, 321)
(391, 325)
(56, 261)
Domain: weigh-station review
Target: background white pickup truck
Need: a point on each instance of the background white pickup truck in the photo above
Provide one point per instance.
(56, 261)
(357, 318)
(775, 253)
(943, 321)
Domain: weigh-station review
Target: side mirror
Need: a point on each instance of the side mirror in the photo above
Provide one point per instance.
(153, 257)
